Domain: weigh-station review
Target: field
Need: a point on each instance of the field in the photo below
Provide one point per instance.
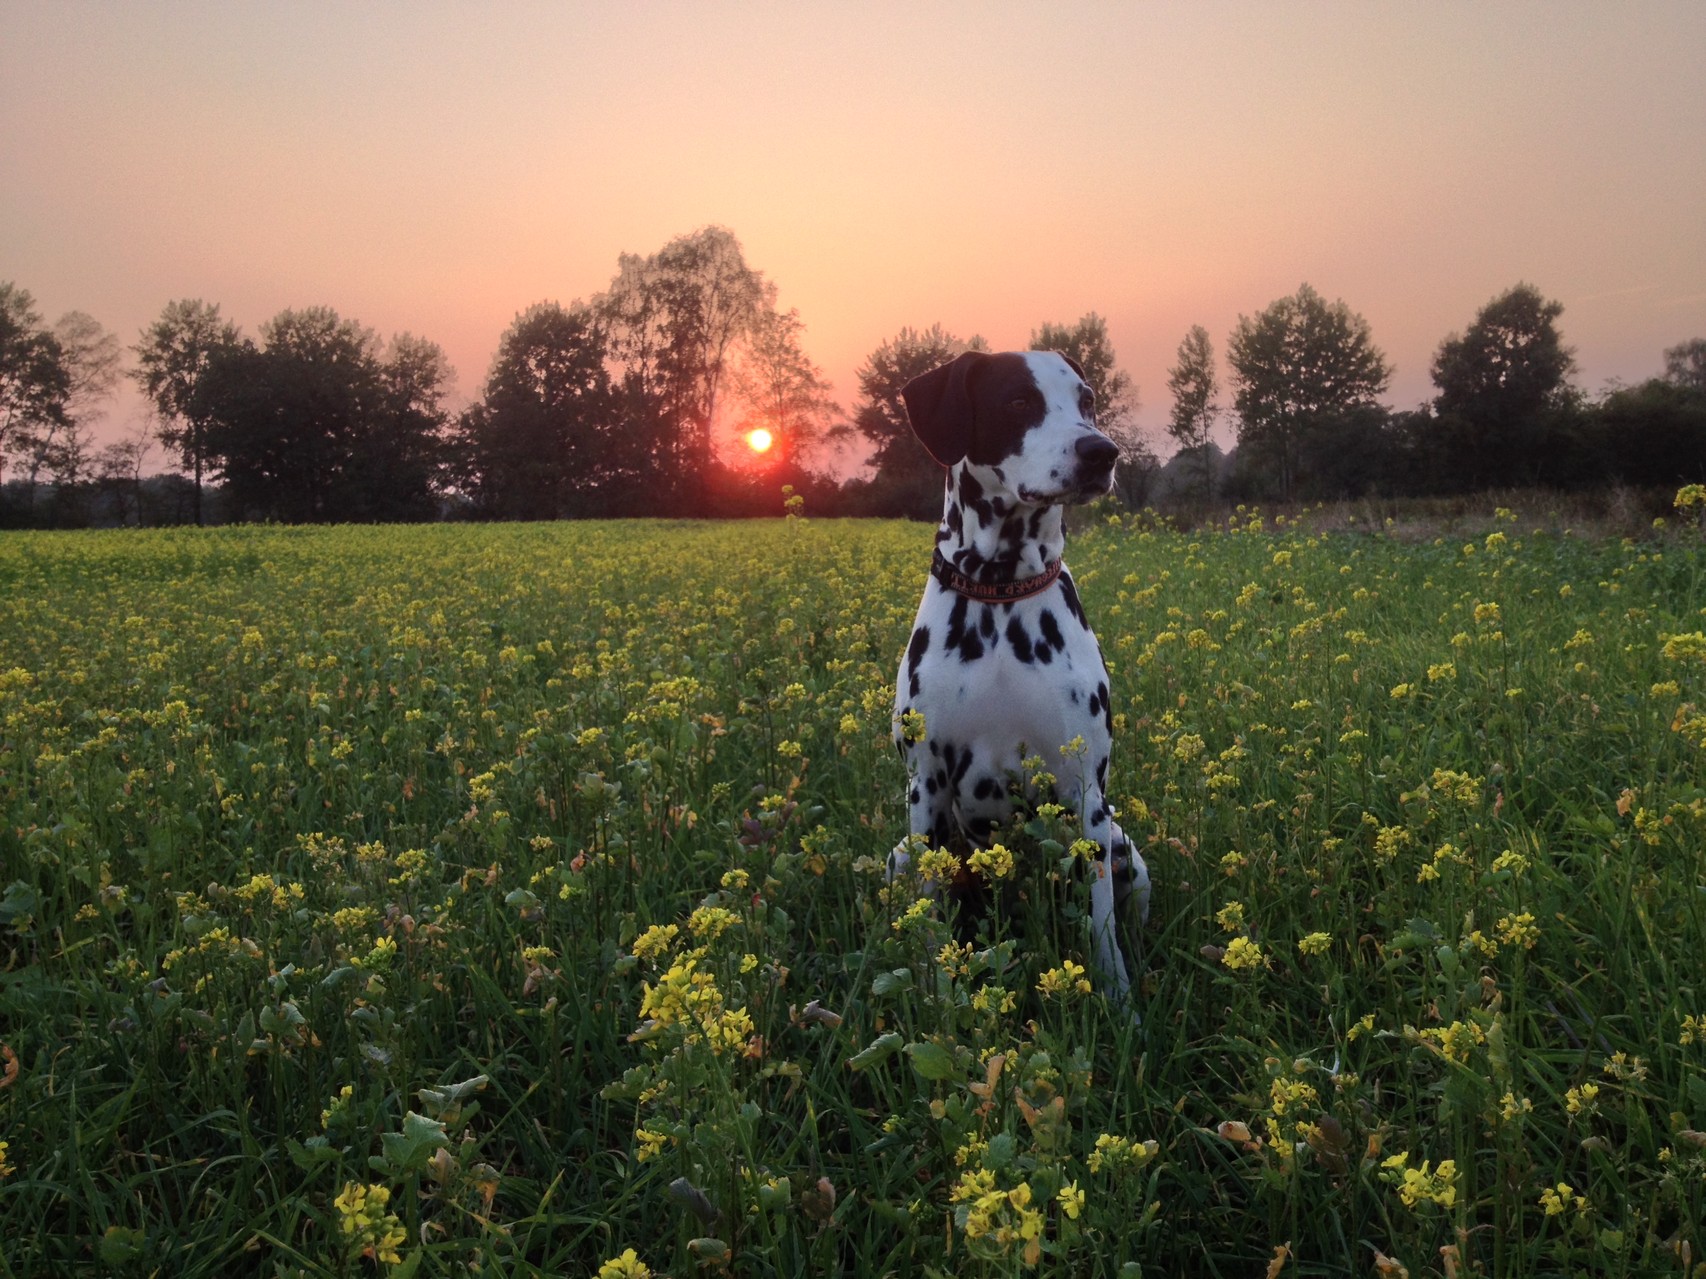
(510, 900)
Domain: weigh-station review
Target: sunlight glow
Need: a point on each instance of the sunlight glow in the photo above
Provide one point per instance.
(760, 440)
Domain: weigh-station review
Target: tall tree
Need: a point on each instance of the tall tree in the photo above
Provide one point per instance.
(545, 440)
(907, 480)
(672, 322)
(1301, 370)
(90, 356)
(172, 356)
(318, 425)
(1193, 385)
(35, 383)
(1685, 364)
(1088, 343)
(781, 389)
(1500, 383)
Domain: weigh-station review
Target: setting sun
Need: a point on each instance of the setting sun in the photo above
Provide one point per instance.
(759, 441)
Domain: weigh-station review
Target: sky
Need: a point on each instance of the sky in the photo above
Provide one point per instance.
(436, 168)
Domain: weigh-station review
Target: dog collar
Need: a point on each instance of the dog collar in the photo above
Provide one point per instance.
(992, 592)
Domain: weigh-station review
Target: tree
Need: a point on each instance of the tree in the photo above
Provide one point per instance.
(35, 383)
(1088, 344)
(90, 355)
(907, 480)
(1501, 384)
(172, 356)
(118, 475)
(318, 424)
(672, 322)
(782, 390)
(1301, 370)
(1192, 384)
(1685, 364)
(545, 440)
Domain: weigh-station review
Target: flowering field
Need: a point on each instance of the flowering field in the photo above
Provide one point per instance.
(510, 900)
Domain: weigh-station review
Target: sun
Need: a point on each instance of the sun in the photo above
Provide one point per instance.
(760, 440)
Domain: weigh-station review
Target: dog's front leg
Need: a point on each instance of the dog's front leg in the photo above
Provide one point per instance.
(929, 807)
(1099, 827)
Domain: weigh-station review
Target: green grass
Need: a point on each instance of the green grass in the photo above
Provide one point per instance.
(410, 813)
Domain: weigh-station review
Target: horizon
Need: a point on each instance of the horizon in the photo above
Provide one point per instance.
(439, 172)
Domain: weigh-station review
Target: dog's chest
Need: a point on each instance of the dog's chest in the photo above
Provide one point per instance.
(1005, 680)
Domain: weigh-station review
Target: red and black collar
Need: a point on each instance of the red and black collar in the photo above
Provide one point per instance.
(992, 592)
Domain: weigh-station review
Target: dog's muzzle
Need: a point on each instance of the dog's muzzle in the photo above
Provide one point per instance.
(1096, 457)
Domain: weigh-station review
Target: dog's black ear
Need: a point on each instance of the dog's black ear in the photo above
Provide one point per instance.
(938, 404)
(1076, 366)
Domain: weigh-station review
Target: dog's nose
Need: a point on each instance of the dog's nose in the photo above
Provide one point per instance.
(1096, 452)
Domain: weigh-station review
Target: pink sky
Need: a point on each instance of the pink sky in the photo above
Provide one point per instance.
(437, 168)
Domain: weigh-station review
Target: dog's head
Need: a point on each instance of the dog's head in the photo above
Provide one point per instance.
(1024, 419)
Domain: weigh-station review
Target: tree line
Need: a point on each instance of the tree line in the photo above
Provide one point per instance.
(623, 405)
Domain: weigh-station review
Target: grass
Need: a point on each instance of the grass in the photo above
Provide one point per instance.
(501, 899)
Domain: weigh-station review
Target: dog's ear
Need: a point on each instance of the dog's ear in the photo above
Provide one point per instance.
(1074, 364)
(938, 404)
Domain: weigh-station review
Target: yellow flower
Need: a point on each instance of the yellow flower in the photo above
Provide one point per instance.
(1315, 943)
(626, 1266)
(1231, 917)
(650, 1144)
(994, 862)
(912, 726)
(1243, 953)
(1065, 979)
(1518, 930)
(654, 941)
(1071, 1199)
(6, 1166)
(1582, 1100)
(1558, 1199)
(368, 1229)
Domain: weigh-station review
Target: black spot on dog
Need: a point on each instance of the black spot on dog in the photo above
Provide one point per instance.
(915, 651)
(965, 642)
(913, 796)
(930, 785)
(1102, 773)
(1095, 707)
(1051, 629)
(1020, 640)
(986, 788)
(1070, 593)
(986, 622)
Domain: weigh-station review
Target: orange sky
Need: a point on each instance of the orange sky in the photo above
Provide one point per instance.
(439, 167)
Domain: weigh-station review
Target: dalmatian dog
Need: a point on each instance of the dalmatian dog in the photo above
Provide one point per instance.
(1002, 663)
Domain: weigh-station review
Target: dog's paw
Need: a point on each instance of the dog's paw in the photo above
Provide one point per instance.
(900, 860)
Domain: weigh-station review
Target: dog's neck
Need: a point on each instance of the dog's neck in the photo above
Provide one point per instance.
(992, 537)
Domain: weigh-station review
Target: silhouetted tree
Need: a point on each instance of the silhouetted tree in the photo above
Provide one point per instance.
(1303, 370)
(35, 381)
(781, 390)
(1193, 385)
(172, 356)
(1501, 384)
(1087, 342)
(672, 322)
(906, 480)
(316, 426)
(1651, 434)
(546, 439)
(1685, 364)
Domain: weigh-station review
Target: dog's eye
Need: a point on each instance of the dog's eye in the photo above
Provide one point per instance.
(1087, 404)
(1019, 403)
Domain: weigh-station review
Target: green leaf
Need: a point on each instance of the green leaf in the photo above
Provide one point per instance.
(880, 1049)
(932, 1061)
(888, 983)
